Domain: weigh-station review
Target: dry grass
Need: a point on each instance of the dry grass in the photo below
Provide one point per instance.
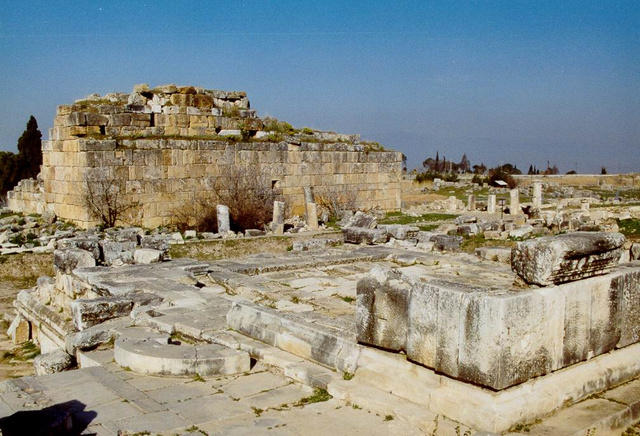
(21, 271)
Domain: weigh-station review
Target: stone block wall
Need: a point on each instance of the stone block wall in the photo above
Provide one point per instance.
(165, 148)
(27, 196)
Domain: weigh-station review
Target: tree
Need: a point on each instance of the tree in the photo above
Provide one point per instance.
(464, 165)
(25, 164)
(603, 170)
(104, 198)
(30, 150)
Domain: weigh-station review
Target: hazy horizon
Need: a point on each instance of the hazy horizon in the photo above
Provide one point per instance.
(516, 82)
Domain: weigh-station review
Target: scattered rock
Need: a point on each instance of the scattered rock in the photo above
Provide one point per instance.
(50, 363)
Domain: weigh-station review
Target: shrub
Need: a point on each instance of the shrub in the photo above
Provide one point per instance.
(104, 198)
(336, 202)
(274, 125)
(496, 174)
(248, 194)
(307, 131)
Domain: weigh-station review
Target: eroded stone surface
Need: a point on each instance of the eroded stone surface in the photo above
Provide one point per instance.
(564, 258)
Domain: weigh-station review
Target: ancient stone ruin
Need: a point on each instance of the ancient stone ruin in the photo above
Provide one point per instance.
(164, 148)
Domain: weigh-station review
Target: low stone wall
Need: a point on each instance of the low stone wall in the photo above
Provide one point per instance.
(27, 197)
(627, 180)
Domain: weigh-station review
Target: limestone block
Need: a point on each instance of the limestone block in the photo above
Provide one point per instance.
(382, 309)
(117, 253)
(634, 251)
(446, 242)
(19, 330)
(399, 231)
(563, 258)
(67, 260)
(363, 220)
(50, 363)
(147, 255)
(87, 313)
(362, 235)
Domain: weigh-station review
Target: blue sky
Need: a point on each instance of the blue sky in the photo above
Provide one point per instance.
(502, 81)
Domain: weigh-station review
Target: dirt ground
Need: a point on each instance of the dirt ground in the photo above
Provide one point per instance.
(18, 272)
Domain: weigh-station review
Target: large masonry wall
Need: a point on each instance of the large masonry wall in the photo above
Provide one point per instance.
(165, 148)
(165, 175)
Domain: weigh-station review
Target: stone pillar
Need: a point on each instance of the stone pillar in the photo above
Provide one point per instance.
(491, 203)
(277, 225)
(222, 213)
(514, 204)
(19, 330)
(584, 205)
(537, 194)
(471, 202)
(312, 216)
(308, 195)
(451, 204)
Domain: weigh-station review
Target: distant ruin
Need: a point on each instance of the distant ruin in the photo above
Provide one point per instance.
(164, 148)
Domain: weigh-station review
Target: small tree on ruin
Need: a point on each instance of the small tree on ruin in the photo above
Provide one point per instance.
(104, 198)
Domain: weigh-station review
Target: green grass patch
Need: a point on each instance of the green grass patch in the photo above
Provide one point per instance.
(319, 395)
(400, 218)
(428, 227)
(22, 353)
(630, 228)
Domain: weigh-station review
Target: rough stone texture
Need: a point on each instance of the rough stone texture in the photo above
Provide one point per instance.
(399, 231)
(68, 260)
(222, 215)
(87, 313)
(514, 202)
(564, 258)
(634, 251)
(362, 235)
(147, 255)
(362, 220)
(19, 330)
(312, 216)
(50, 363)
(446, 242)
(154, 148)
(382, 309)
(151, 356)
(491, 203)
(500, 337)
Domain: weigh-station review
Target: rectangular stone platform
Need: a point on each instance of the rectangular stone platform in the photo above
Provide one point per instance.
(499, 337)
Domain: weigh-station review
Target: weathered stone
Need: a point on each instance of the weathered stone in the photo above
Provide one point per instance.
(564, 258)
(156, 242)
(382, 309)
(463, 331)
(147, 255)
(117, 253)
(400, 231)
(68, 260)
(19, 330)
(491, 203)
(312, 216)
(446, 242)
(362, 235)
(362, 220)
(87, 313)
(222, 216)
(514, 202)
(91, 244)
(521, 232)
(537, 194)
(634, 251)
(50, 363)
(278, 217)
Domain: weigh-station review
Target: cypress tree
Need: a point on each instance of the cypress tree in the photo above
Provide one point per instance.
(30, 150)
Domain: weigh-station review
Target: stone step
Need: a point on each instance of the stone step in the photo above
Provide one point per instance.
(149, 356)
(290, 332)
(292, 366)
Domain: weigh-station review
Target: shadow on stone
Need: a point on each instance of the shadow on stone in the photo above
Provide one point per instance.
(68, 418)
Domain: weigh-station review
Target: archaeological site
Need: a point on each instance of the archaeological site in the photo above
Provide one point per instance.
(208, 271)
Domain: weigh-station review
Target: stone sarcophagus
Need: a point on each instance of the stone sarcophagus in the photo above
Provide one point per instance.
(499, 337)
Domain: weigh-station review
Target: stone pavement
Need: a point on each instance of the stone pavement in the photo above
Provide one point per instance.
(107, 399)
